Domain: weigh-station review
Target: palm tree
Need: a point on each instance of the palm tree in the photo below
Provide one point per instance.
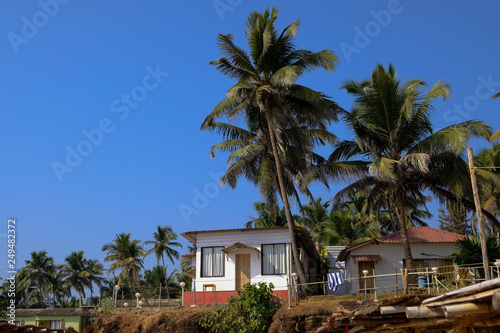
(153, 280)
(126, 255)
(164, 240)
(314, 215)
(469, 251)
(38, 272)
(269, 214)
(343, 228)
(95, 272)
(400, 152)
(58, 288)
(73, 271)
(266, 85)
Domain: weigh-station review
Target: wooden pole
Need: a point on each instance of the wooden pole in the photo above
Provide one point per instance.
(479, 214)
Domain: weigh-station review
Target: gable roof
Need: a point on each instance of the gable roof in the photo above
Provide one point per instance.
(191, 235)
(423, 235)
(415, 235)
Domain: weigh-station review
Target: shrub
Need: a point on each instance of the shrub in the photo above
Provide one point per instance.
(107, 306)
(251, 311)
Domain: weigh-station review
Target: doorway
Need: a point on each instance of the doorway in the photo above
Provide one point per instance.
(242, 270)
(369, 266)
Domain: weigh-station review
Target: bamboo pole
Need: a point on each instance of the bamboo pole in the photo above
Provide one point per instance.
(390, 309)
(479, 212)
(468, 298)
(466, 309)
(495, 301)
(423, 312)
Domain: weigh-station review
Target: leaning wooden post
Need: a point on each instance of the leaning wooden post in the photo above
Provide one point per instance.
(479, 214)
(404, 275)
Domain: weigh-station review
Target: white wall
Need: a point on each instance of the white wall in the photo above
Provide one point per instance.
(254, 238)
(392, 261)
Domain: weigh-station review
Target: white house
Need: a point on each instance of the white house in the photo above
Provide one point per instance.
(227, 259)
(430, 248)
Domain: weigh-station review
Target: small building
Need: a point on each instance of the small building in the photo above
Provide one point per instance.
(225, 260)
(50, 318)
(385, 256)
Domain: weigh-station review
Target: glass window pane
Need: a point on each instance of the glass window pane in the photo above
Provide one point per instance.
(218, 261)
(207, 264)
(267, 259)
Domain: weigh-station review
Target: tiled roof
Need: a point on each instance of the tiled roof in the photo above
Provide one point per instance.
(423, 235)
(366, 257)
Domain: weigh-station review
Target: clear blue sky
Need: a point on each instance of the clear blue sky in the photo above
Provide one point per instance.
(138, 72)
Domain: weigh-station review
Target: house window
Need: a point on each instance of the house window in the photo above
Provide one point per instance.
(212, 261)
(55, 324)
(273, 259)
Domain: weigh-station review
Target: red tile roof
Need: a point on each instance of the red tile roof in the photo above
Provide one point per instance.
(423, 235)
(366, 257)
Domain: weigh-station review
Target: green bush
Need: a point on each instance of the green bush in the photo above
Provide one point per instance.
(107, 306)
(252, 311)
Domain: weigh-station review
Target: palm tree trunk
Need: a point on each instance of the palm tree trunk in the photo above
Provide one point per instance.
(166, 278)
(400, 205)
(40, 293)
(284, 198)
(391, 216)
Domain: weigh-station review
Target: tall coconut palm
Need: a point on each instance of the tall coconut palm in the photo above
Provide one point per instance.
(269, 214)
(73, 271)
(343, 228)
(267, 77)
(164, 240)
(38, 272)
(393, 132)
(95, 272)
(128, 256)
(58, 288)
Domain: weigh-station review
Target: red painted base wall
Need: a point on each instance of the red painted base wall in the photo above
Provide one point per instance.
(220, 297)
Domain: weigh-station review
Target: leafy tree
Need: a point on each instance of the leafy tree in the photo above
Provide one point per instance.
(396, 147)
(164, 240)
(37, 274)
(454, 219)
(267, 90)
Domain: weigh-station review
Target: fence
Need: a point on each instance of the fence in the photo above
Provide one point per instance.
(427, 279)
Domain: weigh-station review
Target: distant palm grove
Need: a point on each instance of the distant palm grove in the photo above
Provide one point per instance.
(43, 283)
(392, 166)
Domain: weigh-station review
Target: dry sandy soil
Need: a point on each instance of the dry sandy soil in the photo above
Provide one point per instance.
(307, 316)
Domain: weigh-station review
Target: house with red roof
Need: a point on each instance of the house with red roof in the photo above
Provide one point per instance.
(430, 247)
(225, 260)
